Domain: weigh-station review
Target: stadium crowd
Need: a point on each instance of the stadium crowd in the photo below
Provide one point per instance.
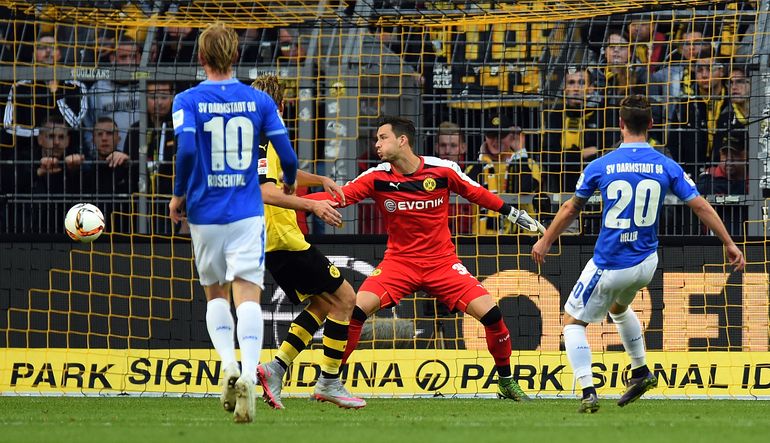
(64, 139)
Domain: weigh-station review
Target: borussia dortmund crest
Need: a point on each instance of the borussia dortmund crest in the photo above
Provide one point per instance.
(429, 184)
(334, 272)
(376, 272)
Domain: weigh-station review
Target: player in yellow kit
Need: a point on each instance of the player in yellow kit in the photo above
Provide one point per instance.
(330, 296)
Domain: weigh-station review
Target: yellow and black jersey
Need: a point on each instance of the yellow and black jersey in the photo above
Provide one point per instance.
(281, 228)
(518, 174)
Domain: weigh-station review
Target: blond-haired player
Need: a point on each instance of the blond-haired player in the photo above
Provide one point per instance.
(218, 124)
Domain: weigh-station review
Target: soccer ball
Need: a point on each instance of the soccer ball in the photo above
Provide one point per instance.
(84, 222)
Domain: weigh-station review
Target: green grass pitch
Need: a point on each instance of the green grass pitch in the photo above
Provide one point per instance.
(139, 420)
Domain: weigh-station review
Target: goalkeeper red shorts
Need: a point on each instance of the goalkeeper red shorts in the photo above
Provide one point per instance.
(447, 281)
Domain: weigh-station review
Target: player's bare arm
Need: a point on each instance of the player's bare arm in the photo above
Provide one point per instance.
(176, 209)
(324, 209)
(289, 189)
(329, 185)
(710, 218)
(352, 192)
(566, 215)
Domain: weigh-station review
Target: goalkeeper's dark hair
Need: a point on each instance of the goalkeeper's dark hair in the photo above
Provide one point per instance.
(401, 126)
(636, 114)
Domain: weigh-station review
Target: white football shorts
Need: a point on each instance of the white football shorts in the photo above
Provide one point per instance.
(597, 289)
(224, 252)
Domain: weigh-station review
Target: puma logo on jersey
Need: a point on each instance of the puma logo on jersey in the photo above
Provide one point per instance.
(395, 185)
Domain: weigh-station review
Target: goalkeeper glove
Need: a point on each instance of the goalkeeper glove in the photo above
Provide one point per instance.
(525, 221)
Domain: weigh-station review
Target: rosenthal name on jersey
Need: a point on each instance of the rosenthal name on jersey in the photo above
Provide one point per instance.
(641, 168)
(227, 107)
(226, 180)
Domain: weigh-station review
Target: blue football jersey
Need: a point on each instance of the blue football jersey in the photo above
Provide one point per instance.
(633, 180)
(217, 166)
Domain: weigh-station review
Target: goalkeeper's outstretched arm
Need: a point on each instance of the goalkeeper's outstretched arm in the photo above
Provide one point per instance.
(461, 184)
(323, 209)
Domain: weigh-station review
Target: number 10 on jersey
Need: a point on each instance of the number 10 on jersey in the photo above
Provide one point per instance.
(231, 142)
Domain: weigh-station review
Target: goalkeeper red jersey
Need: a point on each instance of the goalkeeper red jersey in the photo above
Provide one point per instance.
(415, 207)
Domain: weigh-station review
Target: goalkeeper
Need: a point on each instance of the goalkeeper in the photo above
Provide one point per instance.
(412, 194)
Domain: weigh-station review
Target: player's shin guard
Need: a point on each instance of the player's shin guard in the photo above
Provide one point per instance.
(300, 334)
(498, 340)
(250, 327)
(630, 331)
(220, 324)
(354, 332)
(578, 354)
(334, 342)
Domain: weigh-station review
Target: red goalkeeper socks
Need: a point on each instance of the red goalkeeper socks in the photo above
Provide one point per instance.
(498, 339)
(354, 332)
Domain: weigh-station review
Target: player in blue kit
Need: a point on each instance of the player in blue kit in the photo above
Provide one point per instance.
(633, 181)
(218, 125)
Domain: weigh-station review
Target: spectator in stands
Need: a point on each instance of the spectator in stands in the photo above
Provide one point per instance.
(46, 51)
(177, 45)
(675, 79)
(258, 46)
(127, 53)
(506, 167)
(101, 53)
(29, 104)
(729, 176)
(697, 118)
(115, 172)
(450, 145)
(735, 114)
(695, 44)
(736, 31)
(505, 151)
(499, 132)
(649, 46)
(58, 167)
(574, 133)
(116, 99)
(620, 78)
(161, 145)
(289, 46)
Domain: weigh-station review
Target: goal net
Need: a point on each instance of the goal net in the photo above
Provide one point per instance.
(539, 80)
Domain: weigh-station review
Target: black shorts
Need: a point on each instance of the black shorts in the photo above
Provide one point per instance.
(302, 274)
